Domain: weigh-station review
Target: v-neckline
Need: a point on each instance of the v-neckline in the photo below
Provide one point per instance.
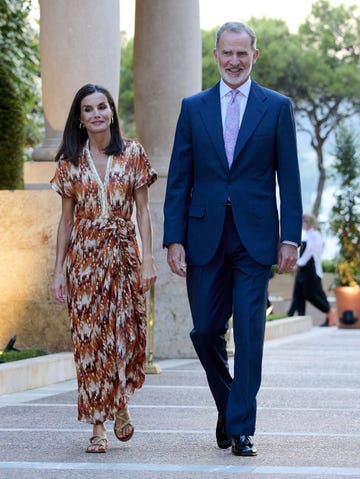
(91, 162)
(102, 184)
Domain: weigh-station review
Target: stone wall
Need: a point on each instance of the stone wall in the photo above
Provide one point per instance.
(28, 227)
(28, 223)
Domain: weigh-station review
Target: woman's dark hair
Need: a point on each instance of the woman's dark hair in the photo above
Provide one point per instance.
(74, 137)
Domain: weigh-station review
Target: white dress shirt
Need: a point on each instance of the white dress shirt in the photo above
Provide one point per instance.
(314, 248)
(225, 97)
(242, 98)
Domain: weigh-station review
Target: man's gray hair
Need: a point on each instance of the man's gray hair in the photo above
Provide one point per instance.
(236, 27)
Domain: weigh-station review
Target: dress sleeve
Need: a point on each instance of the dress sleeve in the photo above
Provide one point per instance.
(145, 173)
(61, 182)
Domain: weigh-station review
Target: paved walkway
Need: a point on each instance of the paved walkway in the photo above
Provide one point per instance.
(308, 422)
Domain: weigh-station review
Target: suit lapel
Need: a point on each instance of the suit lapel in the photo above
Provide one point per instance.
(255, 110)
(211, 116)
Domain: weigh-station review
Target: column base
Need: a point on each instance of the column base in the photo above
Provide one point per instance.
(48, 150)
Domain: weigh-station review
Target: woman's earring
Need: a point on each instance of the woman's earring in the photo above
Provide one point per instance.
(112, 120)
(80, 125)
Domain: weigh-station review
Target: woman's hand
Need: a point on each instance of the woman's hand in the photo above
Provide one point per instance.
(58, 287)
(148, 274)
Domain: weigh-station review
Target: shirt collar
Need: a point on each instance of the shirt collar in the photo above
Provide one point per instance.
(244, 89)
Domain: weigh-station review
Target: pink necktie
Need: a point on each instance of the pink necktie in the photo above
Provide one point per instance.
(231, 126)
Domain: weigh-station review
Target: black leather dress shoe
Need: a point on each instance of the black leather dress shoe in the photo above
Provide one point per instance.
(222, 438)
(243, 446)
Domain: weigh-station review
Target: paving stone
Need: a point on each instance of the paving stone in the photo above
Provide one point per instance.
(308, 422)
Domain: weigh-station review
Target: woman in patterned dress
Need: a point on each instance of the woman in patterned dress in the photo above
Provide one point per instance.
(100, 176)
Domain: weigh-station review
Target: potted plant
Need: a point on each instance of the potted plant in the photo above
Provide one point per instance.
(345, 225)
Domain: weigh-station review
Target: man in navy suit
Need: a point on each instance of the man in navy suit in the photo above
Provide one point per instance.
(222, 227)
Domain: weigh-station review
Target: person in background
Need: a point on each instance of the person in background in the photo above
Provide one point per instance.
(309, 273)
(233, 144)
(100, 177)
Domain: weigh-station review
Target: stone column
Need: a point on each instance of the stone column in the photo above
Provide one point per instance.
(167, 67)
(79, 43)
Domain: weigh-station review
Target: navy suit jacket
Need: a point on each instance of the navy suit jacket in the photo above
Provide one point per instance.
(200, 180)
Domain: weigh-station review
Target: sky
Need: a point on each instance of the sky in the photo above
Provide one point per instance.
(216, 12)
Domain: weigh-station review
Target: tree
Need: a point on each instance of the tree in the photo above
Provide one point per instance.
(126, 93)
(210, 72)
(19, 44)
(330, 64)
(321, 75)
(345, 214)
(318, 68)
(12, 129)
(276, 45)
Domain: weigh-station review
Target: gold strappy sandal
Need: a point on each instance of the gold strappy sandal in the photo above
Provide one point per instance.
(123, 419)
(98, 444)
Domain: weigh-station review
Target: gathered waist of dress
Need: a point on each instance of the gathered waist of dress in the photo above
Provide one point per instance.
(122, 225)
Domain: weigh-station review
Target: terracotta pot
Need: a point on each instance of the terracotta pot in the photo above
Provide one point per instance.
(348, 299)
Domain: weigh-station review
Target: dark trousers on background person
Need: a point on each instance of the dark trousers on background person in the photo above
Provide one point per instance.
(308, 287)
(231, 284)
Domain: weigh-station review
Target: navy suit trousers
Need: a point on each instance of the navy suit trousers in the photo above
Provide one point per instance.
(232, 284)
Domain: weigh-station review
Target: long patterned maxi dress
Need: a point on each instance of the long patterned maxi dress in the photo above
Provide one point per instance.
(106, 307)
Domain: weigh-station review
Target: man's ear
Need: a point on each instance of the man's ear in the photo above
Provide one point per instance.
(215, 53)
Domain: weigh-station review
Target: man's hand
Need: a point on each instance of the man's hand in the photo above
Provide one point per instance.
(287, 257)
(176, 259)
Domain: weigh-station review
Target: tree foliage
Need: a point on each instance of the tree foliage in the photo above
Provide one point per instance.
(19, 45)
(12, 133)
(329, 89)
(210, 72)
(345, 214)
(126, 92)
(318, 68)
(276, 46)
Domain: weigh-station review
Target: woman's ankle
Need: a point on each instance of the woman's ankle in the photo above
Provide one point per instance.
(99, 430)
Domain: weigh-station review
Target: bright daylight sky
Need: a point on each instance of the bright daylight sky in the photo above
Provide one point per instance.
(217, 12)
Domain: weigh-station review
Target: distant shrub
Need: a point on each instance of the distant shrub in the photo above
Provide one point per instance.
(9, 356)
(328, 266)
(12, 138)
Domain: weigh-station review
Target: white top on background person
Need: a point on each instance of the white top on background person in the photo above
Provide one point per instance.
(314, 245)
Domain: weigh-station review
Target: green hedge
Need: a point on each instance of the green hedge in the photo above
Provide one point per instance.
(329, 266)
(9, 356)
(12, 138)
